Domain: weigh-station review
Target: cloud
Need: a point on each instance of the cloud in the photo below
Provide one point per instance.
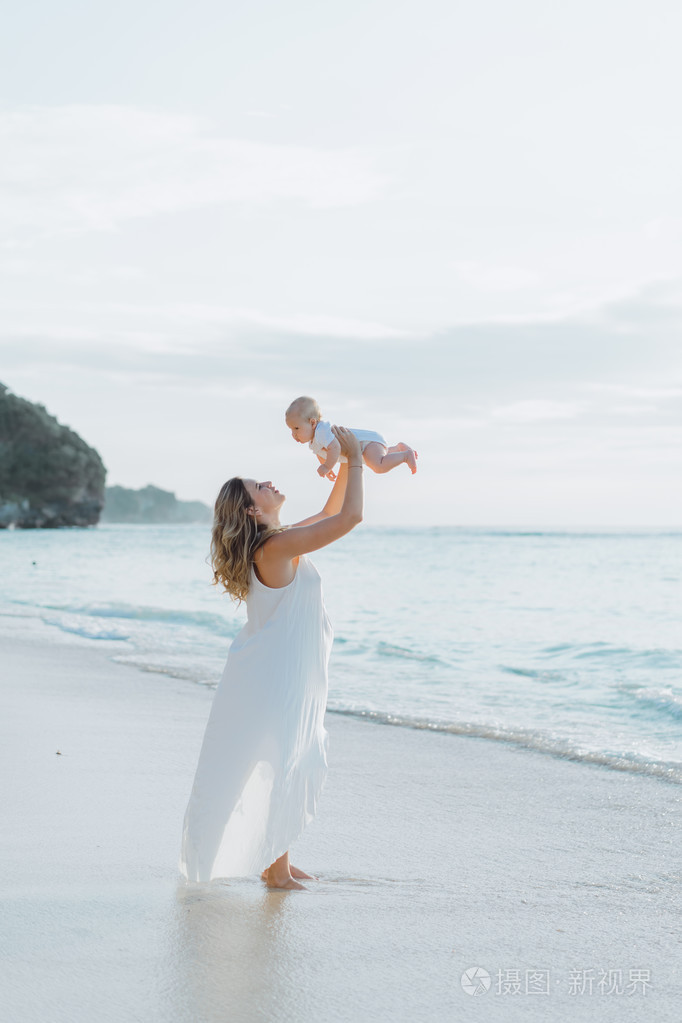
(559, 418)
(513, 373)
(536, 411)
(654, 303)
(487, 277)
(300, 323)
(634, 410)
(82, 167)
(643, 393)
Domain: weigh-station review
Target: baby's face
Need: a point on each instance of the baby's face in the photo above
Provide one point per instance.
(302, 430)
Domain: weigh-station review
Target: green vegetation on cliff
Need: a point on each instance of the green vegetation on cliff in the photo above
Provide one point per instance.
(49, 476)
(151, 505)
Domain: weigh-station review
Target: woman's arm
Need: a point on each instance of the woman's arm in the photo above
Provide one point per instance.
(334, 501)
(331, 525)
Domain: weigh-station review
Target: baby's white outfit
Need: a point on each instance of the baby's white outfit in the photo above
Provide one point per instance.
(323, 437)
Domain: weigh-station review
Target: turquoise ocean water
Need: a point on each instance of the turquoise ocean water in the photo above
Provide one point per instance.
(563, 641)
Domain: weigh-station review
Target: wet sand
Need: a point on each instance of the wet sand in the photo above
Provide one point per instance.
(435, 854)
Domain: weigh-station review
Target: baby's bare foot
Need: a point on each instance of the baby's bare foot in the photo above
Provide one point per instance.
(411, 456)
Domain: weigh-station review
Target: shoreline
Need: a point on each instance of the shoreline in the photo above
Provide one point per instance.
(521, 657)
(433, 856)
(524, 739)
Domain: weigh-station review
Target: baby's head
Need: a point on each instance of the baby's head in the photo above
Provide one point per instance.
(302, 417)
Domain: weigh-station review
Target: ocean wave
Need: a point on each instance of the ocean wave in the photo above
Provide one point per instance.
(634, 763)
(88, 630)
(665, 700)
(598, 650)
(391, 650)
(585, 651)
(540, 674)
(608, 533)
(139, 613)
(203, 676)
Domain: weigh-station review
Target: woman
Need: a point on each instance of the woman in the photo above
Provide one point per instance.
(263, 761)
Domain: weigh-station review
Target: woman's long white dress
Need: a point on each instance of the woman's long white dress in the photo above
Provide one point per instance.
(263, 761)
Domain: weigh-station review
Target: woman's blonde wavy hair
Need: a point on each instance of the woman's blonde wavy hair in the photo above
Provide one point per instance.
(235, 538)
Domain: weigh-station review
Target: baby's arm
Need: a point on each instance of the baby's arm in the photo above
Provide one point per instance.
(329, 475)
(333, 450)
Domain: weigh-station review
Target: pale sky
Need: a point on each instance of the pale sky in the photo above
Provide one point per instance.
(460, 225)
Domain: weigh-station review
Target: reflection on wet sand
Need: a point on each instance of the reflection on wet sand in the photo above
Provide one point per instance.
(232, 959)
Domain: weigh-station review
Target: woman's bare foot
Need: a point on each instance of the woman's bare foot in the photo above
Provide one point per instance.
(279, 874)
(295, 872)
(288, 884)
(280, 880)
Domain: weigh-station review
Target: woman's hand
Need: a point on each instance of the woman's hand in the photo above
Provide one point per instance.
(350, 445)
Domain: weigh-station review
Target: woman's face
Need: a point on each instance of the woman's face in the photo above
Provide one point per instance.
(266, 497)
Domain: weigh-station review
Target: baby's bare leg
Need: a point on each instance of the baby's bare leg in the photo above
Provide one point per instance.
(380, 459)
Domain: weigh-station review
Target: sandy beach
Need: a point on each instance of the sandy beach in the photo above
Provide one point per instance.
(436, 854)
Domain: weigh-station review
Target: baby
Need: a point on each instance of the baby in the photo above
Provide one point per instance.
(304, 419)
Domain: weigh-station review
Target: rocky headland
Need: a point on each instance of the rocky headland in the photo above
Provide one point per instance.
(49, 476)
(152, 505)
